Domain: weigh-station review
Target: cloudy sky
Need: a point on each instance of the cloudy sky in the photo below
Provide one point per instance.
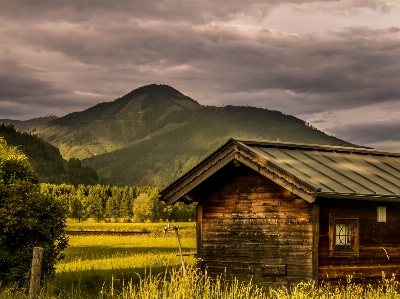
(335, 64)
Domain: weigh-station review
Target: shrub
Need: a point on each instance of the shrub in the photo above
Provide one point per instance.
(27, 218)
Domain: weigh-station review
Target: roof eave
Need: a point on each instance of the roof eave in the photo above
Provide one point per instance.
(355, 196)
(237, 150)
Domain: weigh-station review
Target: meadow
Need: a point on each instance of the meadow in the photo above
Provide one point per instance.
(148, 266)
(153, 228)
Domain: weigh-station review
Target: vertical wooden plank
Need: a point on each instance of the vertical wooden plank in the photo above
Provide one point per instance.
(34, 286)
(199, 229)
(315, 230)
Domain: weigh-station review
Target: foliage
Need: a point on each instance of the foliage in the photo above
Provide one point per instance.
(103, 202)
(158, 134)
(14, 166)
(76, 209)
(27, 218)
(143, 208)
(46, 159)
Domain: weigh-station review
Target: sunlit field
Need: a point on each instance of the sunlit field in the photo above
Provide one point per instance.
(93, 262)
(149, 266)
(154, 228)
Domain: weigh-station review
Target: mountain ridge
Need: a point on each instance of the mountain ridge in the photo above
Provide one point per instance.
(24, 125)
(46, 159)
(155, 133)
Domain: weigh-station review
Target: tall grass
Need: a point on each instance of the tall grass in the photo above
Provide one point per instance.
(92, 262)
(144, 267)
(195, 285)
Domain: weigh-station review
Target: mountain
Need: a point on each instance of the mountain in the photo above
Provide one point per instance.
(25, 125)
(47, 161)
(155, 133)
(110, 126)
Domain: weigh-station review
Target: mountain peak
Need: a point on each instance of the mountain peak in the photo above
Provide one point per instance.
(161, 92)
(49, 115)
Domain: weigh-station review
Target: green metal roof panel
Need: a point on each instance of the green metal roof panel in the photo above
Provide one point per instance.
(387, 181)
(318, 172)
(287, 167)
(383, 163)
(349, 171)
(396, 160)
(358, 174)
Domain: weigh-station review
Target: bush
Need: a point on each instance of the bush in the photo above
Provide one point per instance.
(27, 218)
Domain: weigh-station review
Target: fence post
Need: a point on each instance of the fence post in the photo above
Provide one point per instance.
(36, 269)
(180, 250)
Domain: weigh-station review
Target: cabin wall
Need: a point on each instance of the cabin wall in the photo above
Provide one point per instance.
(253, 228)
(379, 242)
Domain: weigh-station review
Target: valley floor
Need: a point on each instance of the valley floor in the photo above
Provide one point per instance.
(148, 266)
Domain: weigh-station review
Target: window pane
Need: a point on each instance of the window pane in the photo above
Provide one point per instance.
(342, 234)
(381, 211)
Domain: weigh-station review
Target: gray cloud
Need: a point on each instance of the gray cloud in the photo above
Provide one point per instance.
(24, 95)
(196, 11)
(100, 52)
(369, 133)
(22, 83)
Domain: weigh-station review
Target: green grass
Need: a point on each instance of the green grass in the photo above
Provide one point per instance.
(90, 224)
(92, 262)
(195, 285)
(146, 267)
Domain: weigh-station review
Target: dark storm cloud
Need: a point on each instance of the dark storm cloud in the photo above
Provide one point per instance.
(113, 47)
(195, 11)
(23, 94)
(369, 133)
(22, 83)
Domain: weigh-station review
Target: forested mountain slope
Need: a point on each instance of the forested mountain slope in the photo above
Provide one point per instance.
(24, 125)
(154, 134)
(47, 161)
(108, 126)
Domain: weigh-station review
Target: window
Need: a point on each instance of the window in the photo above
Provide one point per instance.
(381, 214)
(343, 232)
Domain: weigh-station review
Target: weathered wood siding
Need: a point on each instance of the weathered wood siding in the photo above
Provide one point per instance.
(374, 239)
(253, 228)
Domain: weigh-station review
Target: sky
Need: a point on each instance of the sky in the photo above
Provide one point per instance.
(334, 64)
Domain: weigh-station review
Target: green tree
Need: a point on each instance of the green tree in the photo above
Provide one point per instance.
(76, 209)
(95, 207)
(143, 208)
(28, 218)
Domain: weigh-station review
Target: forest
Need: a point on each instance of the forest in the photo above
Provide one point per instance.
(46, 159)
(117, 204)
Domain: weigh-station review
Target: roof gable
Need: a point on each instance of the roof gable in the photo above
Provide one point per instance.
(309, 171)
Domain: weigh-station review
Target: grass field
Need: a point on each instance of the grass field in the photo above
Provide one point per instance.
(154, 228)
(96, 262)
(146, 267)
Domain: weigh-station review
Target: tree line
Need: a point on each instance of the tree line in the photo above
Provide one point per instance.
(117, 204)
(47, 161)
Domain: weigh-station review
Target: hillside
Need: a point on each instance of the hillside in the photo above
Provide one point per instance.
(154, 134)
(24, 125)
(47, 161)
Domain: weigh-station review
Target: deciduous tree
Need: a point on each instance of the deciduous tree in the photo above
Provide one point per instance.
(28, 218)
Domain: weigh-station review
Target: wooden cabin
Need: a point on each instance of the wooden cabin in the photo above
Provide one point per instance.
(285, 213)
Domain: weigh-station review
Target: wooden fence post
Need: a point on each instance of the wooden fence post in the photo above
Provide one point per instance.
(34, 285)
(180, 250)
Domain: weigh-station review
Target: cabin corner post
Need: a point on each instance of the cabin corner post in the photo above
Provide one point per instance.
(315, 230)
(199, 228)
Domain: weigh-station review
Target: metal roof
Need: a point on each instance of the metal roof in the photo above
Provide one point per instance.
(335, 171)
